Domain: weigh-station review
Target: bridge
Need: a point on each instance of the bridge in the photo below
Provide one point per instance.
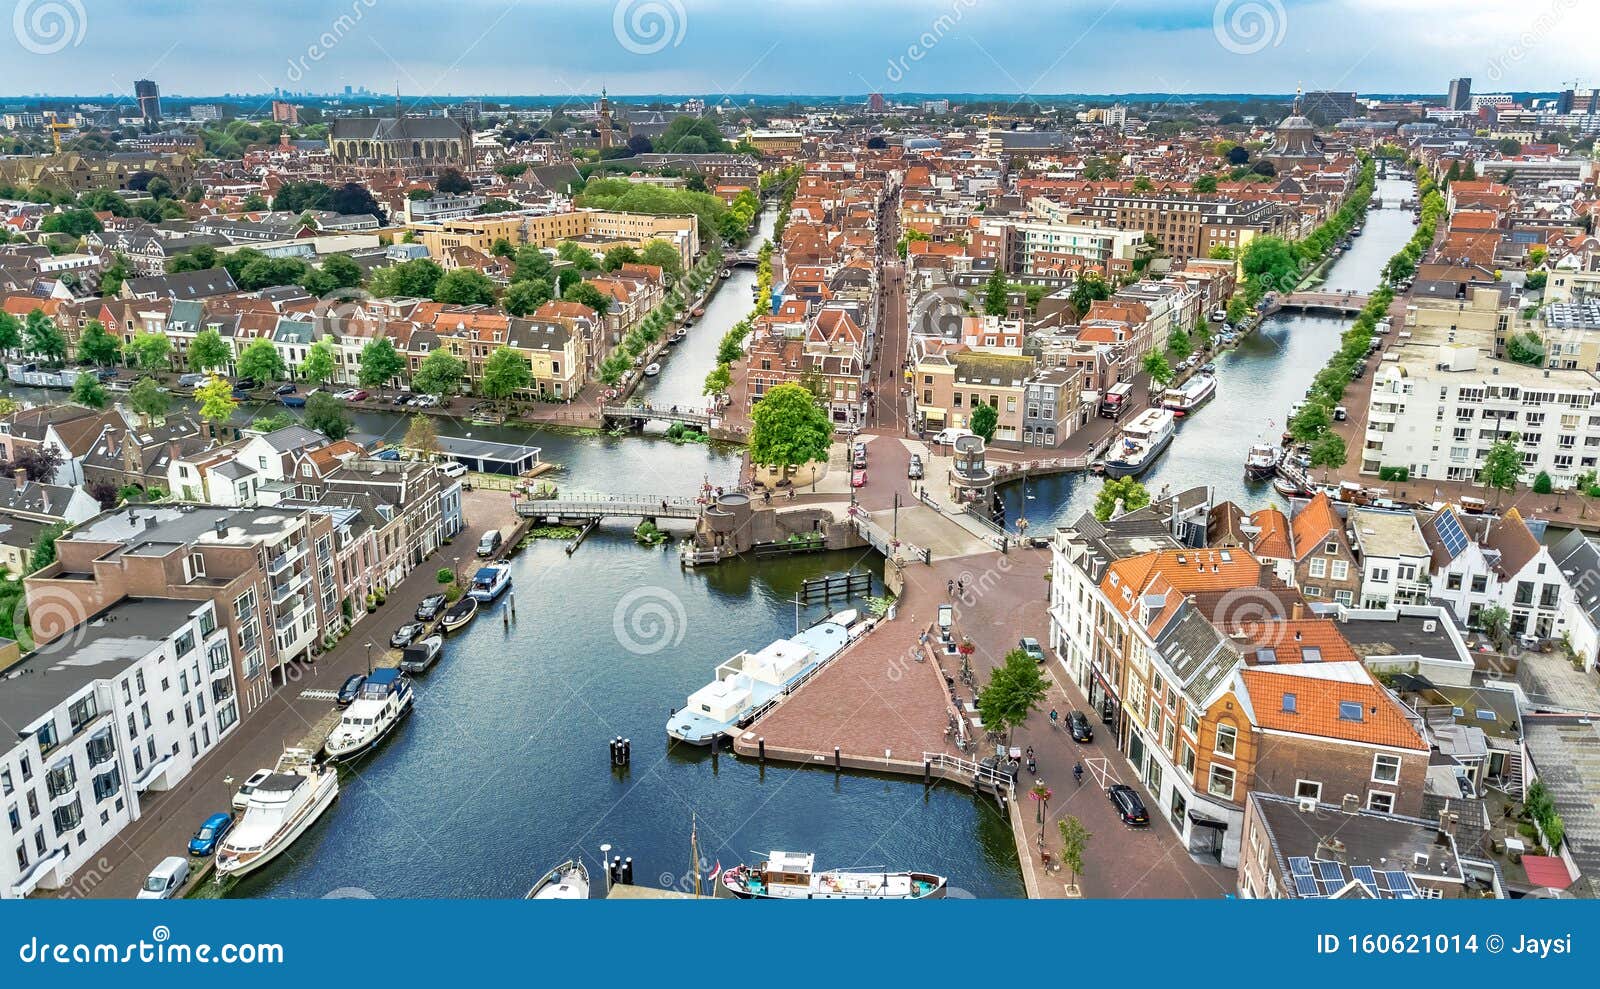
(599, 506)
(641, 414)
(741, 259)
(1338, 303)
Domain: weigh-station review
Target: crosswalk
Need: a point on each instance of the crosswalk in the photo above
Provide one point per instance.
(317, 694)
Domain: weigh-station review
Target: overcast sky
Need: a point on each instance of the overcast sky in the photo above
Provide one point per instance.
(565, 47)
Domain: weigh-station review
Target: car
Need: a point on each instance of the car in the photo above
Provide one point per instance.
(352, 686)
(1129, 807)
(245, 384)
(192, 380)
(1208, 368)
(425, 401)
(859, 461)
(166, 879)
(1078, 726)
(950, 435)
(344, 394)
(858, 479)
(489, 545)
(452, 469)
(404, 635)
(284, 389)
(357, 395)
(430, 607)
(211, 831)
(1030, 645)
(914, 469)
(254, 780)
(401, 398)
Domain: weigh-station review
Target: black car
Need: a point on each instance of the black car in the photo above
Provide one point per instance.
(430, 607)
(244, 384)
(352, 686)
(284, 389)
(1129, 807)
(1078, 725)
(405, 634)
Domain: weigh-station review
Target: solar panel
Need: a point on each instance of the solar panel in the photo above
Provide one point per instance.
(1306, 886)
(1449, 529)
(1364, 875)
(1399, 883)
(1299, 866)
(1330, 872)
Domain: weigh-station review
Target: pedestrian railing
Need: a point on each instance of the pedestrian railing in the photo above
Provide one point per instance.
(953, 766)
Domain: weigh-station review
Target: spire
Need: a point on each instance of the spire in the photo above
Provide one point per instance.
(397, 113)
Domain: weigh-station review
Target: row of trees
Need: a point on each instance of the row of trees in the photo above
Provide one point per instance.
(720, 378)
(661, 319)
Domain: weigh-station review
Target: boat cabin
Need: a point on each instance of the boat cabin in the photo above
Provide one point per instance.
(788, 869)
(721, 701)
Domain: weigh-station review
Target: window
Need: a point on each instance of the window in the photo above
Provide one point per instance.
(1341, 569)
(1386, 769)
(6, 786)
(1290, 702)
(1319, 567)
(1308, 790)
(1187, 761)
(1350, 711)
(1221, 782)
(1227, 740)
(1381, 802)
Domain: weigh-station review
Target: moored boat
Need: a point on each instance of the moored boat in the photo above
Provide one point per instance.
(385, 698)
(1262, 461)
(278, 810)
(791, 876)
(748, 682)
(420, 656)
(1142, 441)
(459, 614)
(1192, 394)
(652, 369)
(490, 582)
(567, 881)
(677, 336)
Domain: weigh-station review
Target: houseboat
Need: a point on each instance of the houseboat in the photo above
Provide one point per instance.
(279, 809)
(384, 699)
(1192, 394)
(490, 582)
(790, 876)
(460, 614)
(1142, 442)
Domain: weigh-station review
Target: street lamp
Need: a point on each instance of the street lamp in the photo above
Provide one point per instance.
(369, 657)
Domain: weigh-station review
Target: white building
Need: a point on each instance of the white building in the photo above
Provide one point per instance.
(123, 705)
(1395, 561)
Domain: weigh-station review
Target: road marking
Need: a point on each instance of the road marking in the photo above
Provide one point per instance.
(319, 695)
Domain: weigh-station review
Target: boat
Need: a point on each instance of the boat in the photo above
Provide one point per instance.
(385, 698)
(651, 370)
(567, 881)
(420, 656)
(490, 582)
(1142, 441)
(1194, 393)
(725, 273)
(1262, 461)
(677, 336)
(790, 876)
(747, 683)
(459, 614)
(699, 311)
(280, 808)
(1289, 488)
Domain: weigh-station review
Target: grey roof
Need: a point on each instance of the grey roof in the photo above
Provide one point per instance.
(183, 284)
(1566, 756)
(402, 129)
(1576, 554)
(1382, 841)
(179, 524)
(1197, 652)
(293, 438)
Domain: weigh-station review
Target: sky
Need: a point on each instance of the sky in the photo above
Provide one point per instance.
(814, 47)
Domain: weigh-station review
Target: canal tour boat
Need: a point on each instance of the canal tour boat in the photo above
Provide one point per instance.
(490, 582)
(567, 881)
(1194, 393)
(746, 684)
(384, 700)
(280, 808)
(1262, 461)
(419, 657)
(790, 876)
(460, 614)
(1142, 441)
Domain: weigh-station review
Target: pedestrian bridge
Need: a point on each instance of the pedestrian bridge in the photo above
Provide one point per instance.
(1339, 303)
(642, 413)
(599, 506)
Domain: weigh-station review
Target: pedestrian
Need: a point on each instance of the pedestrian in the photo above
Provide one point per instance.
(961, 586)
(950, 587)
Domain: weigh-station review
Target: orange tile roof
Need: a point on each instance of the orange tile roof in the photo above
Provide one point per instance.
(1288, 638)
(1319, 692)
(1314, 522)
(1187, 571)
(1273, 539)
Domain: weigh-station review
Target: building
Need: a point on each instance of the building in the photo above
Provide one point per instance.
(285, 113)
(123, 705)
(1459, 96)
(1330, 107)
(596, 230)
(431, 142)
(149, 96)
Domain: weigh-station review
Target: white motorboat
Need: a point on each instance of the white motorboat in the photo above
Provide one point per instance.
(490, 582)
(1262, 461)
(1141, 443)
(790, 876)
(567, 881)
(384, 700)
(280, 808)
(651, 370)
(420, 656)
(1194, 393)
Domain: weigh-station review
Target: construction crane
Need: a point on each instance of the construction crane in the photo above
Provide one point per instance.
(56, 127)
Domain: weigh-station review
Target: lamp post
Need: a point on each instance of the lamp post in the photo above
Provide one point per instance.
(369, 658)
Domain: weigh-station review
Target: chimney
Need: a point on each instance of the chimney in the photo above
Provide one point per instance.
(20, 475)
(1296, 611)
(222, 528)
(1448, 819)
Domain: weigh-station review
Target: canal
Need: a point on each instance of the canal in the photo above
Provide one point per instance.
(1257, 382)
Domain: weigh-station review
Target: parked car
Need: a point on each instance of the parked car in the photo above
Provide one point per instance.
(245, 384)
(192, 380)
(165, 879)
(284, 389)
(1030, 645)
(1078, 725)
(914, 470)
(352, 686)
(344, 394)
(357, 395)
(212, 830)
(404, 635)
(1129, 807)
(489, 545)
(430, 607)
(426, 401)
(859, 461)
(452, 469)
(858, 479)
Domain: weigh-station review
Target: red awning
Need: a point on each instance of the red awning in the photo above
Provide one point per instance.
(1547, 871)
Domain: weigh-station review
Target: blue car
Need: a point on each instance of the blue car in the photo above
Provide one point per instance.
(211, 831)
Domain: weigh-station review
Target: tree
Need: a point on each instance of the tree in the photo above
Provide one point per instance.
(380, 363)
(150, 351)
(524, 298)
(1328, 450)
(1264, 167)
(254, 202)
(1542, 483)
(88, 391)
(452, 182)
(217, 404)
(1156, 365)
(718, 380)
(44, 546)
(44, 339)
(411, 279)
(1494, 620)
(1526, 348)
(1141, 185)
(39, 463)
(579, 257)
(98, 347)
(1587, 488)
(1086, 291)
(638, 144)
(1015, 689)
(327, 415)
(148, 399)
(320, 362)
(208, 351)
(618, 256)
(532, 263)
(586, 294)
(464, 287)
(663, 255)
(1205, 184)
(115, 274)
(344, 271)
(1310, 422)
(994, 293)
(297, 197)
(422, 437)
(505, 373)
(1074, 841)
(1128, 490)
(352, 199)
(10, 332)
(1179, 342)
(1502, 466)
(788, 428)
(985, 418)
(440, 373)
(74, 223)
(261, 361)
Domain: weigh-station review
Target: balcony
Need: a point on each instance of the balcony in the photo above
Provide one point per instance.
(277, 564)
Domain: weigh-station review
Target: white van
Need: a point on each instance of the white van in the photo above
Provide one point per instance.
(452, 468)
(165, 879)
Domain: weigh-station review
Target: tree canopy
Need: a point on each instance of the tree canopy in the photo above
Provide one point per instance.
(789, 428)
(505, 373)
(1015, 689)
(1128, 489)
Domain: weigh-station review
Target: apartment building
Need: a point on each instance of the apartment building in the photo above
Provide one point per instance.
(123, 705)
(1190, 226)
(598, 230)
(1038, 245)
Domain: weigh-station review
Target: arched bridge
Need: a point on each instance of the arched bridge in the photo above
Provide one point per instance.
(741, 259)
(645, 413)
(1339, 303)
(599, 506)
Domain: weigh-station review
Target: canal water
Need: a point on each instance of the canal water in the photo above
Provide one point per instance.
(1257, 382)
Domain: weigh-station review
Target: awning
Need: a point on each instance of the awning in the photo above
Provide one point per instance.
(1200, 820)
(1549, 871)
